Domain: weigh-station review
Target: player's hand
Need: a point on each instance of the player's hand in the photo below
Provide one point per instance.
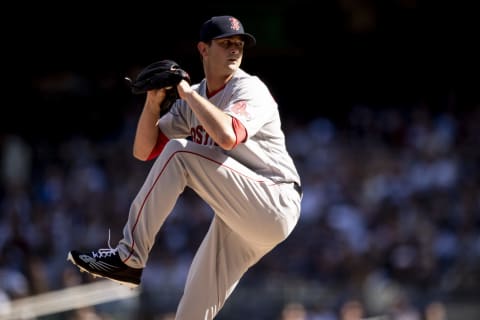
(184, 89)
(154, 99)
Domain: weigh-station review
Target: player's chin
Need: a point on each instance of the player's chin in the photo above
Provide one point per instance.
(233, 65)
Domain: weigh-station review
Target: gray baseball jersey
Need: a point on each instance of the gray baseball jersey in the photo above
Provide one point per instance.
(253, 190)
(248, 99)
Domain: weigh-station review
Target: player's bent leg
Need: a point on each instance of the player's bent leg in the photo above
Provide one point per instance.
(257, 208)
(254, 206)
(250, 205)
(158, 195)
(219, 264)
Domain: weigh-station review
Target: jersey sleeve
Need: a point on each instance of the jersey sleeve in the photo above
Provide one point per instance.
(252, 104)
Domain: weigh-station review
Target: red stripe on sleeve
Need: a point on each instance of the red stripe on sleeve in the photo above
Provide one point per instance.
(161, 142)
(240, 131)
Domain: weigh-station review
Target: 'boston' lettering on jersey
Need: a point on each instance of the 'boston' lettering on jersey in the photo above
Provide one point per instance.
(200, 136)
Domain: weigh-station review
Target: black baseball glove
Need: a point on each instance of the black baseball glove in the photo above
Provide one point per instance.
(161, 74)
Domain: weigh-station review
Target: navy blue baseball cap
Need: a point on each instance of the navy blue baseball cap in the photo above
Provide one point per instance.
(223, 27)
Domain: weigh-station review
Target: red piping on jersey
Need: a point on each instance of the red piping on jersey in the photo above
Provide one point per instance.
(211, 94)
(140, 211)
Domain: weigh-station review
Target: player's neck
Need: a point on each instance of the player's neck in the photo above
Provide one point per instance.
(211, 93)
(214, 85)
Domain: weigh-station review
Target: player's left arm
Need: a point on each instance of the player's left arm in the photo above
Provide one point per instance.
(147, 133)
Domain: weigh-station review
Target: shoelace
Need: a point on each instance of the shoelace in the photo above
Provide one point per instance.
(105, 252)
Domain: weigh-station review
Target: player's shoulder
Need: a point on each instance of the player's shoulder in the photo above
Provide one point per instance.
(241, 74)
(252, 87)
(247, 79)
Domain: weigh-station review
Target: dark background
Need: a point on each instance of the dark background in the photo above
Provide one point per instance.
(319, 58)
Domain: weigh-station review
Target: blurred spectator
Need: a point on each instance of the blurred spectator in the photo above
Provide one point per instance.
(293, 311)
(402, 308)
(352, 310)
(4, 303)
(16, 162)
(435, 310)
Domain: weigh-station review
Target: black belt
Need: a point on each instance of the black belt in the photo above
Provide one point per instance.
(298, 188)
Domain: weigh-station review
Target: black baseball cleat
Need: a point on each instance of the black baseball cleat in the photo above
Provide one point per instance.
(106, 263)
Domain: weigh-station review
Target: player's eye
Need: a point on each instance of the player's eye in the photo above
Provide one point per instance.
(227, 43)
(237, 43)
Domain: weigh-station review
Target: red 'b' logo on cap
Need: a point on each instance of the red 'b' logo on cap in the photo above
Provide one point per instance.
(234, 24)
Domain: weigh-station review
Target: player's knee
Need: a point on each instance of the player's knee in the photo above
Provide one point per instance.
(175, 145)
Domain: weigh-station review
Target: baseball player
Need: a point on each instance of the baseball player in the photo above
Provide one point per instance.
(223, 139)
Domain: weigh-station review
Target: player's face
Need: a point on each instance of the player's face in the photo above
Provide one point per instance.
(227, 52)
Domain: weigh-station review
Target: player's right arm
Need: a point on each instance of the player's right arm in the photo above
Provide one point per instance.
(217, 123)
(147, 133)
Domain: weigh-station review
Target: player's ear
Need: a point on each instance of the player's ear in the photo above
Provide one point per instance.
(202, 48)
